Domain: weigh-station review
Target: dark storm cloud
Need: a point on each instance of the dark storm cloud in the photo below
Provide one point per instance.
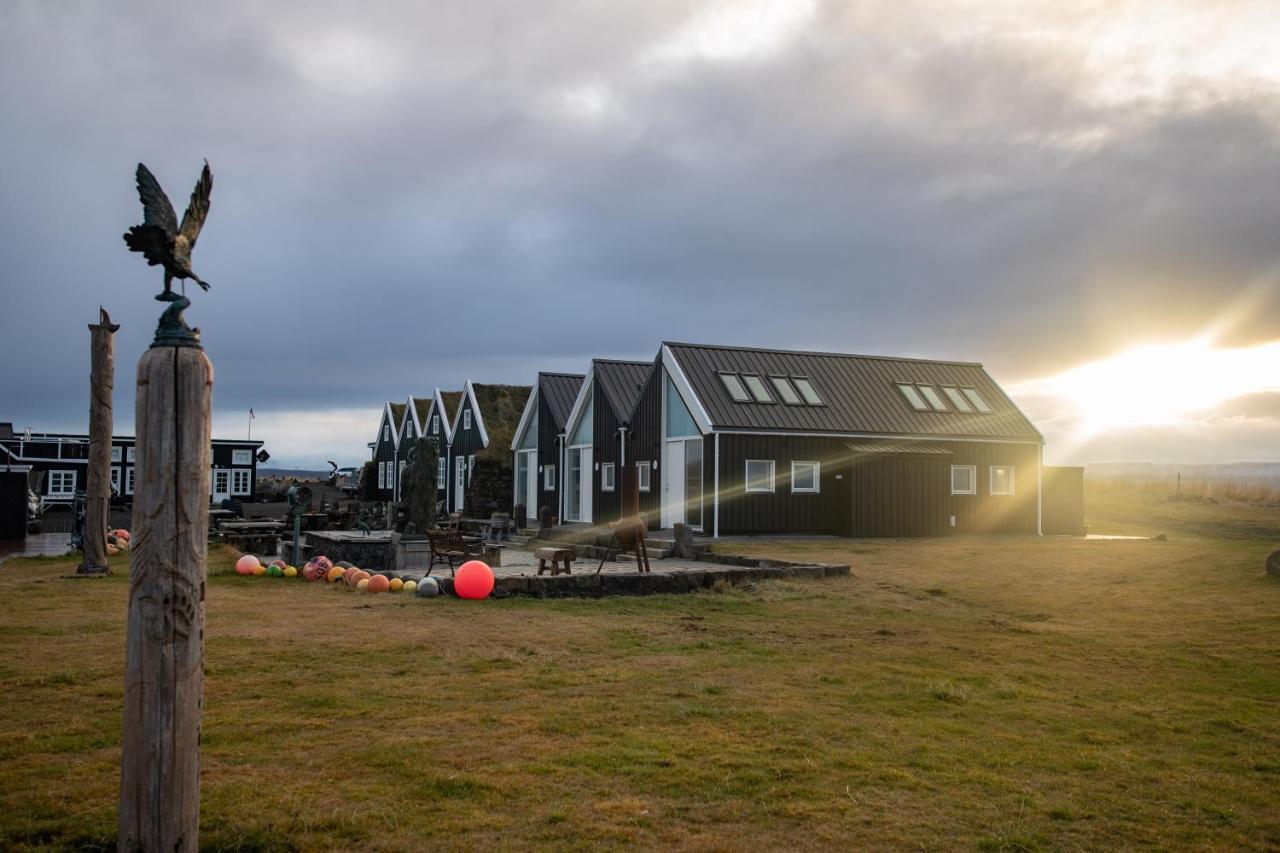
(408, 196)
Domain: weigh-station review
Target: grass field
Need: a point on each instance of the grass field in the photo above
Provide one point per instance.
(1002, 694)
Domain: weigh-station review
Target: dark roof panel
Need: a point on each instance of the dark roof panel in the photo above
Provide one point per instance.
(859, 394)
(622, 382)
(560, 390)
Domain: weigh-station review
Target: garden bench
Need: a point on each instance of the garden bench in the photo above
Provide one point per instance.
(450, 545)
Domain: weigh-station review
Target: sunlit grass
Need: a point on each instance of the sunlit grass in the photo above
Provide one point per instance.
(1000, 693)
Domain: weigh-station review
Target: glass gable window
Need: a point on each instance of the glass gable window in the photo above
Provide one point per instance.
(530, 440)
(759, 475)
(913, 397)
(806, 390)
(934, 399)
(733, 385)
(758, 391)
(785, 390)
(957, 399)
(582, 434)
(679, 421)
(976, 398)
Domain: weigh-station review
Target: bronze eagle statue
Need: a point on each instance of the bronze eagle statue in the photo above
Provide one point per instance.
(160, 239)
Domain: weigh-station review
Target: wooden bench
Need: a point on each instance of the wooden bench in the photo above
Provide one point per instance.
(449, 545)
(560, 559)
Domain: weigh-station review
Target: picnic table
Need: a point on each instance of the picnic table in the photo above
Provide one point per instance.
(252, 526)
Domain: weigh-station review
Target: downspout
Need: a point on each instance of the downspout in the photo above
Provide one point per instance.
(560, 463)
(1040, 494)
(715, 497)
(622, 448)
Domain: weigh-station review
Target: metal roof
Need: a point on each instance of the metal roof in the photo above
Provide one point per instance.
(559, 390)
(622, 382)
(912, 447)
(859, 394)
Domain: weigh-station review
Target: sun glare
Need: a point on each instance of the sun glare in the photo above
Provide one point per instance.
(1159, 384)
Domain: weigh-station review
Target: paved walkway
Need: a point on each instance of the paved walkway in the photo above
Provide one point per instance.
(517, 561)
(38, 545)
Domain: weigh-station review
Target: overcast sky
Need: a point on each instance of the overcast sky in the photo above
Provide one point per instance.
(408, 194)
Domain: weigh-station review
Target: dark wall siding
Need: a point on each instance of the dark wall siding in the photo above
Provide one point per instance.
(604, 448)
(899, 496)
(644, 441)
(780, 511)
(988, 513)
(466, 442)
(384, 451)
(548, 454)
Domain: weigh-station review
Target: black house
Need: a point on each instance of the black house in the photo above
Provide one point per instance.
(743, 440)
(483, 425)
(595, 444)
(537, 442)
(386, 447)
(63, 458)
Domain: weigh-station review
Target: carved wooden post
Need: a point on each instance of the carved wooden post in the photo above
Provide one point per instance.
(102, 381)
(164, 675)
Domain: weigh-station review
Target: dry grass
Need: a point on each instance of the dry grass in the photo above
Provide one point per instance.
(967, 692)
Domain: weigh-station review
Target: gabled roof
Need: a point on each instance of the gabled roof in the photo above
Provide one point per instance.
(621, 382)
(421, 408)
(390, 416)
(498, 409)
(397, 417)
(450, 402)
(560, 390)
(859, 394)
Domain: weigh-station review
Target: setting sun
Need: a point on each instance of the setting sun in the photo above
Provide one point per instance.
(1158, 384)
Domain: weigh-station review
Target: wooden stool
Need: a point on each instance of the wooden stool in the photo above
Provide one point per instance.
(557, 556)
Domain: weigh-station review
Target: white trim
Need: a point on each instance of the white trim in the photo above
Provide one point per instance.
(973, 479)
(773, 478)
(442, 472)
(236, 474)
(549, 477)
(579, 403)
(468, 393)
(235, 456)
(117, 453)
(115, 479)
(817, 477)
(715, 496)
(128, 479)
(685, 390)
(645, 483)
(991, 479)
(61, 493)
(530, 407)
(612, 470)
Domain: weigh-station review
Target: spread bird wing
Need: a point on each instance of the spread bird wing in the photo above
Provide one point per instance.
(155, 245)
(157, 209)
(198, 208)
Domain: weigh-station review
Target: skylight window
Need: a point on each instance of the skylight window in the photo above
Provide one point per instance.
(733, 385)
(957, 399)
(976, 398)
(913, 397)
(935, 400)
(785, 391)
(806, 390)
(758, 391)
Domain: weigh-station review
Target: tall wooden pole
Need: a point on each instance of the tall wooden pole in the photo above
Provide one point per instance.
(102, 382)
(164, 665)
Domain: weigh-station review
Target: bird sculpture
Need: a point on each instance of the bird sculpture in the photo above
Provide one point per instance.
(163, 242)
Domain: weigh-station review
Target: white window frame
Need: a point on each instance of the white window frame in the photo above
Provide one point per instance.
(932, 397)
(772, 477)
(548, 478)
(471, 468)
(758, 389)
(644, 476)
(738, 392)
(128, 456)
(115, 453)
(913, 396)
(241, 481)
(466, 419)
(790, 396)
(241, 457)
(973, 479)
(128, 480)
(817, 478)
(991, 479)
(435, 424)
(382, 475)
(608, 477)
(957, 399)
(62, 477)
(115, 478)
(442, 473)
(386, 432)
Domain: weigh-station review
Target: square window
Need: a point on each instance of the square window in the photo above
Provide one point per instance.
(785, 390)
(241, 480)
(115, 480)
(957, 399)
(115, 453)
(128, 480)
(756, 386)
(549, 477)
(759, 475)
(964, 479)
(934, 399)
(1001, 479)
(734, 386)
(128, 455)
(606, 477)
(976, 398)
(805, 477)
(242, 457)
(913, 397)
(807, 391)
(643, 474)
(62, 483)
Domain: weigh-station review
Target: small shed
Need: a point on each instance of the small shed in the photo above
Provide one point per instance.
(13, 501)
(1063, 507)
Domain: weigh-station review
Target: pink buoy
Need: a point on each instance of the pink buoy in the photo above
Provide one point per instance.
(474, 580)
(247, 564)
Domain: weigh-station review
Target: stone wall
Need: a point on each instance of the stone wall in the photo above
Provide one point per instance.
(490, 489)
(373, 553)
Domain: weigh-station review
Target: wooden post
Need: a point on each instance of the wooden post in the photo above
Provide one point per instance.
(102, 381)
(164, 663)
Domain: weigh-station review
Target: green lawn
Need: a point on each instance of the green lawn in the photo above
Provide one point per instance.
(992, 693)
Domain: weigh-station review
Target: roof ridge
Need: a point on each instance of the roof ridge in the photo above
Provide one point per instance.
(566, 375)
(622, 361)
(823, 353)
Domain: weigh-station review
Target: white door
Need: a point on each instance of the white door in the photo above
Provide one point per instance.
(673, 484)
(529, 460)
(221, 485)
(587, 479)
(459, 482)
